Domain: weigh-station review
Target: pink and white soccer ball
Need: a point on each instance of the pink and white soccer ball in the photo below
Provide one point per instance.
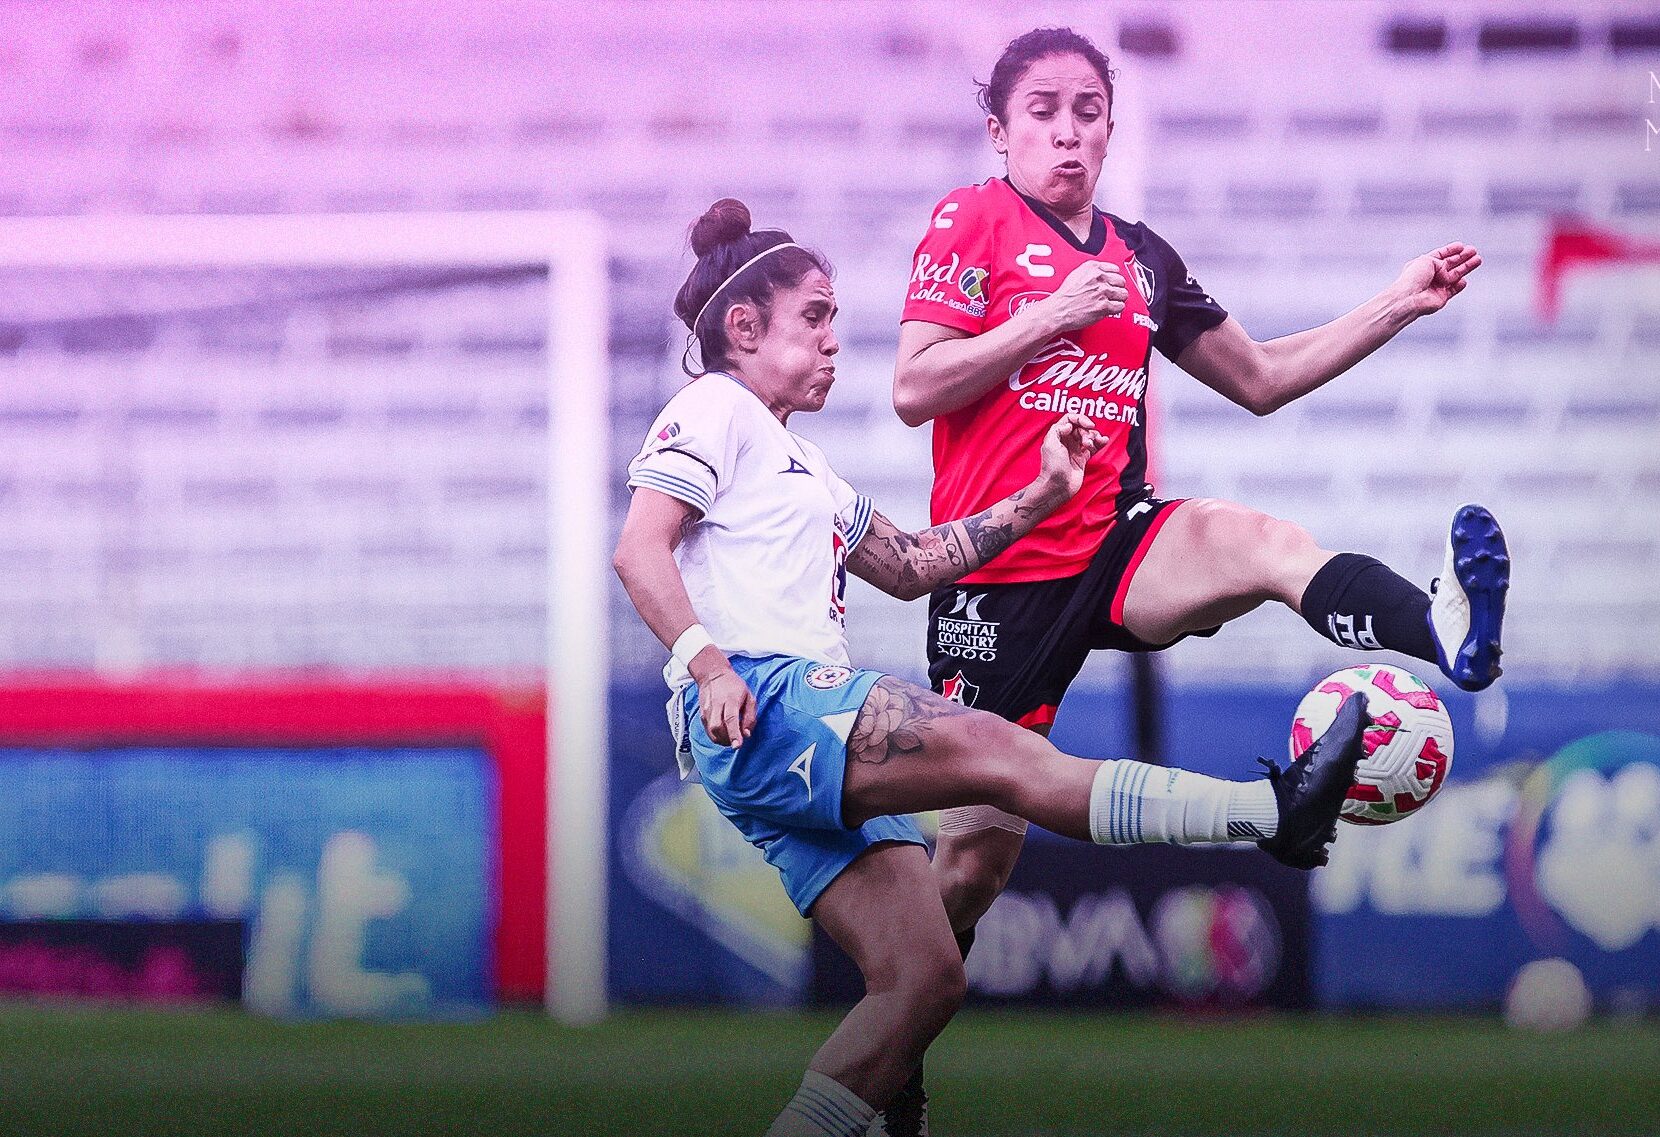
(1409, 740)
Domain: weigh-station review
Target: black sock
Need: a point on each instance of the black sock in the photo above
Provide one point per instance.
(1358, 601)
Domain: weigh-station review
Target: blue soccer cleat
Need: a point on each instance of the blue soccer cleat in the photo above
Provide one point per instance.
(1466, 610)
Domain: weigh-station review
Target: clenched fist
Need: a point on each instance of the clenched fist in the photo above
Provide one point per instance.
(1091, 292)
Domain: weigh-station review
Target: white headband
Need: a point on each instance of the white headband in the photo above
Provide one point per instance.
(734, 276)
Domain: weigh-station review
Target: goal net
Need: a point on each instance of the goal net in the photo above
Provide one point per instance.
(368, 448)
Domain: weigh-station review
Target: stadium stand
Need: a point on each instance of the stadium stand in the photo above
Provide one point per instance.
(383, 505)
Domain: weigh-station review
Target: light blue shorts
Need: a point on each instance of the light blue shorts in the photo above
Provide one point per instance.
(783, 787)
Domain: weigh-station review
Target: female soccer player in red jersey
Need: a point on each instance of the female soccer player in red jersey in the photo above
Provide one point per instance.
(1027, 302)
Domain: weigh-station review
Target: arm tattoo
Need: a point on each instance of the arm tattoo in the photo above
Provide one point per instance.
(989, 535)
(909, 565)
(898, 718)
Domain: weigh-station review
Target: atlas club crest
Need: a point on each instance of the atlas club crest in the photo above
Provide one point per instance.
(1143, 277)
(959, 690)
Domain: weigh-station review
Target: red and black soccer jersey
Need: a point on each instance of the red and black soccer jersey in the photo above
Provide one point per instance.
(989, 252)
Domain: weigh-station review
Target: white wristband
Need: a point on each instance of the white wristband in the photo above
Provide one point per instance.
(693, 640)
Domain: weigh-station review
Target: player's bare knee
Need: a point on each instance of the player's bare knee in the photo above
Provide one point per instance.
(968, 888)
(970, 882)
(999, 754)
(934, 985)
(1286, 555)
(1254, 549)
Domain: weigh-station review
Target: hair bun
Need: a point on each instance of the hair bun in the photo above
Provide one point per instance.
(722, 223)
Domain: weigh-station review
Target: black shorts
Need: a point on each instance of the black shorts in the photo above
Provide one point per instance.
(1014, 649)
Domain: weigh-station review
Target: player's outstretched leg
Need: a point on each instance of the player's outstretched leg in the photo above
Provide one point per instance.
(1213, 561)
(1466, 612)
(1358, 601)
(911, 751)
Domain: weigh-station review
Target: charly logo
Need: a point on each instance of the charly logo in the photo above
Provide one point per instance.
(828, 676)
(1031, 262)
(962, 634)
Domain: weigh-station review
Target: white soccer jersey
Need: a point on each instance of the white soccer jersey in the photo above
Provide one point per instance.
(766, 565)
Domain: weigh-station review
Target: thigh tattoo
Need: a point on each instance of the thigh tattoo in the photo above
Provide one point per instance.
(897, 718)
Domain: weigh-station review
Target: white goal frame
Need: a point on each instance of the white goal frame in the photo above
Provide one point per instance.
(572, 246)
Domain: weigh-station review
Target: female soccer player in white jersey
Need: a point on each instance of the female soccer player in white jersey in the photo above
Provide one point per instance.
(736, 550)
(1026, 303)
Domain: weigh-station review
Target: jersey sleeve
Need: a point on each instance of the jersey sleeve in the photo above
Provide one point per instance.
(951, 271)
(690, 451)
(1189, 310)
(853, 510)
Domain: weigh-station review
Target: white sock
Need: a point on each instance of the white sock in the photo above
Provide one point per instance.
(823, 1107)
(1132, 803)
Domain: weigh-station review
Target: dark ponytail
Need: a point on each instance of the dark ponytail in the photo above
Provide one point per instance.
(722, 241)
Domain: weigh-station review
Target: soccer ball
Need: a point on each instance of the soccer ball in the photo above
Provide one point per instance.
(1408, 740)
(1547, 995)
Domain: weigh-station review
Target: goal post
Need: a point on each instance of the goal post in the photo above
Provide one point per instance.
(579, 665)
(570, 248)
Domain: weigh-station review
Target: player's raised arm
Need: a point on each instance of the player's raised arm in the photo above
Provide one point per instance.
(1263, 377)
(942, 369)
(644, 559)
(909, 565)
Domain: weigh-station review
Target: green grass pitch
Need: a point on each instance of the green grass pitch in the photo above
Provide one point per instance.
(118, 1073)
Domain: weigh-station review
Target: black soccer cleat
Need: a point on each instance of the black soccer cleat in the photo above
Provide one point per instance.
(1311, 790)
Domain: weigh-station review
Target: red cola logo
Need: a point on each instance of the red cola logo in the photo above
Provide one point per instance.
(930, 271)
(1064, 364)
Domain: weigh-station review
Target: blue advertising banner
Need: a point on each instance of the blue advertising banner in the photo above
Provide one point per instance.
(1555, 860)
(363, 874)
(1442, 908)
(697, 915)
(1143, 926)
